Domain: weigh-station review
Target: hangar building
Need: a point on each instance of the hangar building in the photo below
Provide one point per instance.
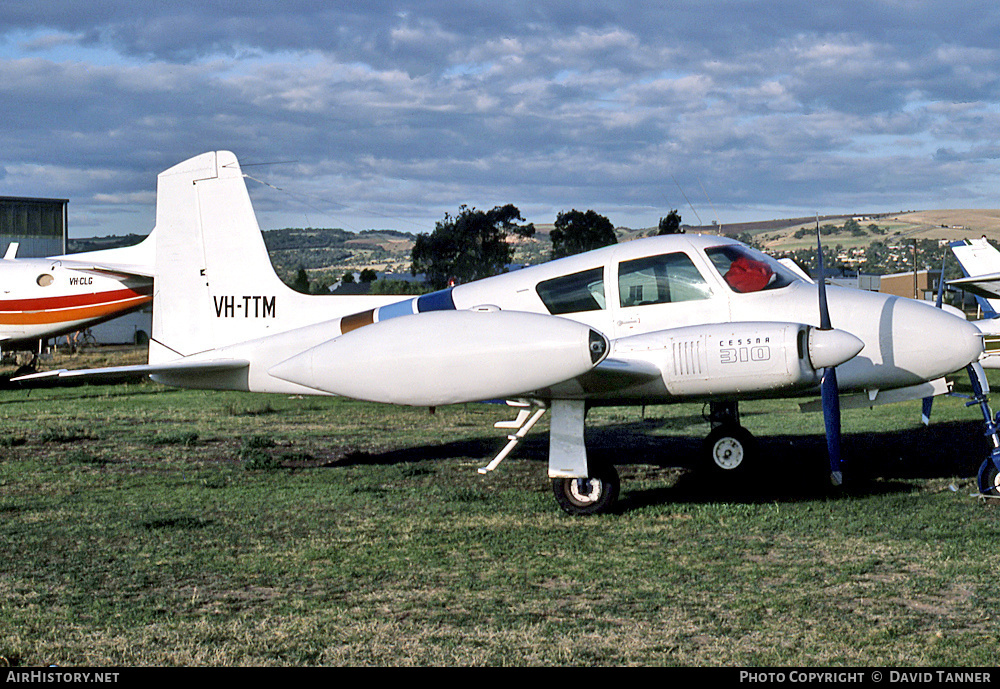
(39, 226)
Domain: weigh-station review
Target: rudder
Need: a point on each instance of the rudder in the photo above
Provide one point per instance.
(213, 280)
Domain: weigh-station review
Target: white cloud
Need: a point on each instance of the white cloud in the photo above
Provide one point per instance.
(421, 107)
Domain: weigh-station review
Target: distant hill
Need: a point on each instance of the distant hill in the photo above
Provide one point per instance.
(328, 253)
(81, 244)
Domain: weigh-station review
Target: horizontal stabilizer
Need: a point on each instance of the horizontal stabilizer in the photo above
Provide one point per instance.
(113, 372)
(126, 261)
(121, 270)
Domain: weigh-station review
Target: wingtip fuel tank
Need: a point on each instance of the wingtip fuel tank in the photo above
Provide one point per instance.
(493, 354)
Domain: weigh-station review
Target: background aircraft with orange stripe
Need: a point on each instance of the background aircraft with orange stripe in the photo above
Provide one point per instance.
(42, 298)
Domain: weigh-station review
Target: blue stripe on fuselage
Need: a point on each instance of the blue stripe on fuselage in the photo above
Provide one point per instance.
(400, 308)
(436, 301)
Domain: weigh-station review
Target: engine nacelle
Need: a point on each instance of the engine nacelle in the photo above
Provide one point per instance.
(738, 358)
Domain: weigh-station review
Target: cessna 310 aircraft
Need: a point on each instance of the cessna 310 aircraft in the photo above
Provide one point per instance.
(47, 297)
(653, 321)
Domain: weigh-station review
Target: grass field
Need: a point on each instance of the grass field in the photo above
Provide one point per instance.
(142, 525)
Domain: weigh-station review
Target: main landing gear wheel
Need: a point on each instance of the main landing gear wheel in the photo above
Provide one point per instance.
(582, 496)
(989, 479)
(730, 450)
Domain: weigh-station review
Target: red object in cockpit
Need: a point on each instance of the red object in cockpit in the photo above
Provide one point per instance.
(747, 275)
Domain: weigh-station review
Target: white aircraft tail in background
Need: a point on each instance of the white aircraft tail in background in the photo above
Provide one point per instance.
(980, 263)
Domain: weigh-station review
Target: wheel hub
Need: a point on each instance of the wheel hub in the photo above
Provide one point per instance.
(727, 453)
(585, 491)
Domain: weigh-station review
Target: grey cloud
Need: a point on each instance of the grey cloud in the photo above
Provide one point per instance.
(411, 107)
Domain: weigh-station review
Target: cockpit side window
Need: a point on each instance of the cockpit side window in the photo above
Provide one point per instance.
(659, 280)
(746, 270)
(583, 291)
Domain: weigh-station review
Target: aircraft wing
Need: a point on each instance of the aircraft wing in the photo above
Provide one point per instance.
(620, 373)
(874, 397)
(981, 285)
(607, 377)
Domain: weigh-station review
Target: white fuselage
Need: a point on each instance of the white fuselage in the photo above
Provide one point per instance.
(659, 319)
(42, 298)
(652, 316)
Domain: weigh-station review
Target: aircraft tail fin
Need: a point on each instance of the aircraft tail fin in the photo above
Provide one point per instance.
(980, 263)
(213, 280)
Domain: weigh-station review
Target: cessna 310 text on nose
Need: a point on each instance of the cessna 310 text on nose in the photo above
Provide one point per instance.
(653, 321)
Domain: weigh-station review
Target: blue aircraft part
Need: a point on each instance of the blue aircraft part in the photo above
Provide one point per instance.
(436, 301)
(400, 308)
(992, 424)
(829, 393)
(985, 307)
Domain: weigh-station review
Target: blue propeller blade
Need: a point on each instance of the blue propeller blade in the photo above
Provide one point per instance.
(831, 419)
(828, 388)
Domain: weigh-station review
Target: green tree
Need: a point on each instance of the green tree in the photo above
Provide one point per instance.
(368, 275)
(469, 246)
(301, 282)
(851, 225)
(576, 232)
(671, 224)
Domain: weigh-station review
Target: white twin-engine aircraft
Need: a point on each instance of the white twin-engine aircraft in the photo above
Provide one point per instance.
(652, 321)
(47, 297)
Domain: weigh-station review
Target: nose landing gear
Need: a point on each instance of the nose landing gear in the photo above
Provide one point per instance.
(988, 478)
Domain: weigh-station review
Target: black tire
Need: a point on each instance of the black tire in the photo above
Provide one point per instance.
(989, 479)
(595, 495)
(730, 450)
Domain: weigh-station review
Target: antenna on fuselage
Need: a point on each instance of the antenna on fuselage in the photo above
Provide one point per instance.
(717, 221)
(686, 198)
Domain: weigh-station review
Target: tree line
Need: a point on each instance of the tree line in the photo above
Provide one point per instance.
(475, 244)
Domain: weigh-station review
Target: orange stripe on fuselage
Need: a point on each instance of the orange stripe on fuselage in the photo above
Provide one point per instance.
(71, 308)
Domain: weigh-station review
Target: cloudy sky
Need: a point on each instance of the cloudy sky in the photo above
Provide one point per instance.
(390, 114)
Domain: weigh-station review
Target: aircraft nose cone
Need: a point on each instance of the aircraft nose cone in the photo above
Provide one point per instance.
(829, 348)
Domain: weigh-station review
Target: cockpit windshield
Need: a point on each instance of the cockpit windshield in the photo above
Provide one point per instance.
(748, 270)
